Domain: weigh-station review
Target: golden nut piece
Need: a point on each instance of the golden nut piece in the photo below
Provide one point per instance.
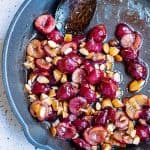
(136, 85)
(106, 48)
(106, 147)
(57, 74)
(118, 58)
(113, 51)
(68, 38)
(106, 103)
(117, 103)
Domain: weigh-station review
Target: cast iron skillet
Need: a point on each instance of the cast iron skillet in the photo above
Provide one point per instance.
(110, 12)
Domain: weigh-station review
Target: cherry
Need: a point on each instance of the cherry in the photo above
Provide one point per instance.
(78, 38)
(76, 104)
(45, 23)
(129, 54)
(137, 70)
(146, 114)
(82, 144)
(95, 135)
(88, 66)
(40, 72)
(66, 91)
(55, 36)
(108, 88)
(138, 41)
(66, 130)
(98, 33)
(95, 76)
(80, 124)
(122, 29)
(43, 64)
(143, 132)
(87, 93)
(39, 88)
(93, 46)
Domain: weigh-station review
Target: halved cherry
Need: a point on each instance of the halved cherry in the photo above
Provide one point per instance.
(78, 75)
(88, 66)
(45, 23)
(82, 144)
(76, 104)
(66, 91)
(88, 93)
(93, 46)
(43, 64)
(39, 110)
(127, 40)
(66, 130)
(122, 120)
(69, 63)
(56, 36)
(35, 50)
(72, 45)
(122, 29)
(80, 124)
(129, 54)
(39, 88)
(98, 33)
(95, 76)
(138, 41)
(95, 135)
(108, 88)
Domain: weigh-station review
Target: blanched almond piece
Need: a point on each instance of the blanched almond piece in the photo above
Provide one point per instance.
(136, 85)
(42, 79)
(52, 44)
(29, 65)
(57, 74)
(106, 48)
(84, 51)
(106, 103)
(113, 51)
(98, 106)
(63, 78)
(136, 140)
(68, 50)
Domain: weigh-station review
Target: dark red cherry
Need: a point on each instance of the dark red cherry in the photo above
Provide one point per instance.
(76, 104)
(122, 29)
(80, 124)
(108, 88)
(82, 144)
(66, 91)
(87, 93)
(93, 46)
(39, 88)
(88, 66)
(98, 33)
(129, 54)
(137, 70)
(45, 23)
(95, 76)
(65, 130)
(55, 36)
(143, 132)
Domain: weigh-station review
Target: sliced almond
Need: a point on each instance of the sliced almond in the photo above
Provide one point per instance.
(136, 85)
(84, 51)
(68, 51)
(48, 59)
(28, 88)
(98, 106)
(42, 79)
(52, 44)
(52, 93)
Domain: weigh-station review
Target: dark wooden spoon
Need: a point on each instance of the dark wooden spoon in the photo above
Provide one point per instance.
(73, 16)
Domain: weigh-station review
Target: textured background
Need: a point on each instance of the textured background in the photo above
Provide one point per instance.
(11, 134)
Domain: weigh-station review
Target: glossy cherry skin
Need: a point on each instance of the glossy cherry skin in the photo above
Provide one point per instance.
(137, 70)
(80, 124)
(98, 33)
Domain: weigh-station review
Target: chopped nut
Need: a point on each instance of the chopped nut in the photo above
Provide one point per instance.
(32, 97)
(68, 50)
(65, 106)
(117, 77)
(106, 48)
(110, 127)
(53, 131)
(132, 133)
(54, 124)
(55, 60)
(90, 55)
(43, 96)
(28, 88)
(98, 57)
(57, 74)
(102, 67)
(106, 147)
(60, 110)
(113, 42)
(84, 51)
(94, 148)
(110, 74)
(68, 38)
(32, 77)
(44, 42)
(136, 140)
(65, 114)
(76, 136)
(29, 65)
(29, 59)
(113, 51)
(98, 106)
(52, 44)
(55, 105)
(110, 58)
(42, 79)
(64, 78)
(98, 95)
(117, 103)
(82, 44)
(109, 66)
(48, 59)
(136, 85)
(118, 58)
(52, 93)
(106, 103)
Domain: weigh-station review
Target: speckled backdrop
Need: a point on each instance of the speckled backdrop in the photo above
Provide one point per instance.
(11, 134)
